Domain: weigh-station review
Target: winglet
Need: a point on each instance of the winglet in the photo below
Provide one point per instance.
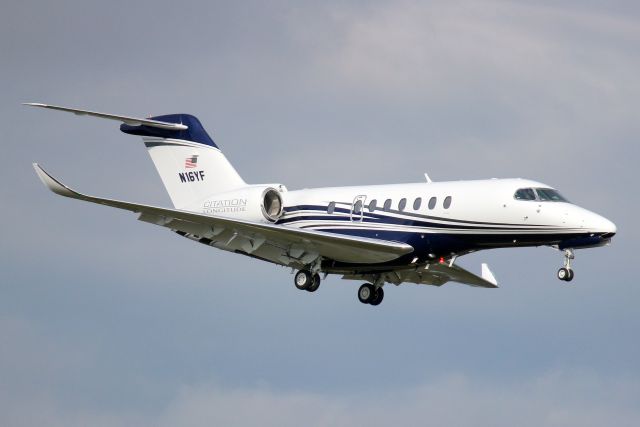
(53, 184)
(488, 275)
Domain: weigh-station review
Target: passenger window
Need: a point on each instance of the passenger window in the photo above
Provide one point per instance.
(525, 194)
(357, 207)
(447, 202)
(402, 204)
(372, 205)
(432, 202)
(331, 207)
(416, 203)
(387, 205)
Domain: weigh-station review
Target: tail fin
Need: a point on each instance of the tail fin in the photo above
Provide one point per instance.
(190, 164)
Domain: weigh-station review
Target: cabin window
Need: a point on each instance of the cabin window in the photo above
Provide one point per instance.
(387, 205)
(432, 202)
(447, 202)
(331, 207)
(372, 205)
(402, 204)
(357, 207)
(416, 203)
(525, 194)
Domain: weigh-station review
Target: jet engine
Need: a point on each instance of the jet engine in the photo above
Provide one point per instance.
(262, 203)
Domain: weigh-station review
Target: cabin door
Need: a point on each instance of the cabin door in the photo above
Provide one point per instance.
(357, 208)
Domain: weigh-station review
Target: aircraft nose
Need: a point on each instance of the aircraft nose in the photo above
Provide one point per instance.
(600, 224)
(610, 227)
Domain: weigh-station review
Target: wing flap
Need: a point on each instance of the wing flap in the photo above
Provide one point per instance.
(133, 121)
(329, 245)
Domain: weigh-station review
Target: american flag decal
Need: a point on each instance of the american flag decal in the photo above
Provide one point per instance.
(191, 162)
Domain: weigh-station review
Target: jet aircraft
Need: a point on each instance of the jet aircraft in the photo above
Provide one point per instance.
(378, 234)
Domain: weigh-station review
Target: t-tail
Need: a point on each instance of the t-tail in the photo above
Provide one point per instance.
(190, 164)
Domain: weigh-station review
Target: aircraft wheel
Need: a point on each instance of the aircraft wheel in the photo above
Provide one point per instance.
(303, 280)
(315, 284)
(366, 293)
(564, 274)
(378, 297)
(570, 276)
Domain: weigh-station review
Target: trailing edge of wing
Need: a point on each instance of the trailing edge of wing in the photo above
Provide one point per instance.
(133, 121)
(436, 274)
(329, 245)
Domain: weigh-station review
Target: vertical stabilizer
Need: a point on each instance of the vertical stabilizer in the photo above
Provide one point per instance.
(190, 164)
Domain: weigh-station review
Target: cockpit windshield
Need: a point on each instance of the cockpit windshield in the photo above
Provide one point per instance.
(525, 194)
(549, 195)
(539, 194)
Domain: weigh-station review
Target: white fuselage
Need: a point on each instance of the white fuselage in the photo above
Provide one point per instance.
(437, 218)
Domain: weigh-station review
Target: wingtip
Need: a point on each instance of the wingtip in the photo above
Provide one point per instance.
(488, 275)
(34, 104)
(51, 183)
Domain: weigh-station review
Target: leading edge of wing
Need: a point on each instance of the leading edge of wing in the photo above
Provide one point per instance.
(380, 250)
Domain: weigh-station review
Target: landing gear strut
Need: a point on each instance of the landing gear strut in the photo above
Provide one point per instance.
(369, 294)
(566, 273)
(307, 281)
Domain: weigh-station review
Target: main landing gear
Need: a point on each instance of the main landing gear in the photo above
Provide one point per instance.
(305, 280)
(369, 294)
(566, 273)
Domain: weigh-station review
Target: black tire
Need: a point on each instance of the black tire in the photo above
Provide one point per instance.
(378, 297)
(302, 280)
(366, 293)
(315, 283)
(563, 274)
(570, 276)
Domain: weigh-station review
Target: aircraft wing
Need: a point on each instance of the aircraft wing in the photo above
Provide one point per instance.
(297, 246)
(436, 274)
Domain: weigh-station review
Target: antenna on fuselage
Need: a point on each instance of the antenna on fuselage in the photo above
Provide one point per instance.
(426, 176)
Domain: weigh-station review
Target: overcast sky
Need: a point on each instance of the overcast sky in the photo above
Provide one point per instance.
(105, 320)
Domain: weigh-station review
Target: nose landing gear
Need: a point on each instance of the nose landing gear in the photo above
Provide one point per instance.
(566, 273)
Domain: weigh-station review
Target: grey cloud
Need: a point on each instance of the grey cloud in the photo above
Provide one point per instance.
(104, 319)
(552, 399)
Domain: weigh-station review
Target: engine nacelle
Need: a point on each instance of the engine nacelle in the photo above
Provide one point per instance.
(263, 203)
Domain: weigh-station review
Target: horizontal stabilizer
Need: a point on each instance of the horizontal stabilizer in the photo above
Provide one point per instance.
(132, 121)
